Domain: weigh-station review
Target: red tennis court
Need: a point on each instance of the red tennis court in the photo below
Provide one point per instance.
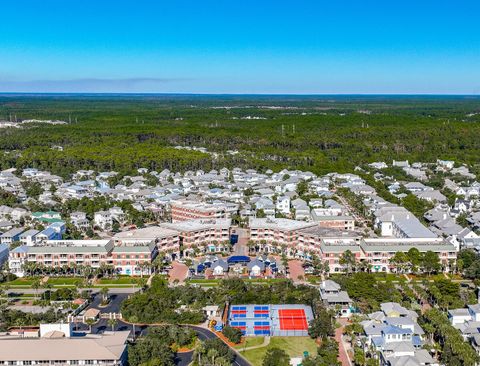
(292, 319)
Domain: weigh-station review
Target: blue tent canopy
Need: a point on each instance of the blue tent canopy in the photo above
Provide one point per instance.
(238, 259)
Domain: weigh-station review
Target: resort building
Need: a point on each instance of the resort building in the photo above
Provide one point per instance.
(209, 235)
(56, 348)
(186, 210)
(166, 240)
(127, 259)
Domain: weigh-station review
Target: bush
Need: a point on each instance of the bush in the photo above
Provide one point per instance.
(234, 335)
(276, 357)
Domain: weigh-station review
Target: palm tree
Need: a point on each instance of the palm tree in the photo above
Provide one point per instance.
(112, 322)
(90, 322)
(48, 288)
(104, 293)
(213, 354)
(158, 262)
(199, 352)
(20, 322)
(133, 319)
(35, 286)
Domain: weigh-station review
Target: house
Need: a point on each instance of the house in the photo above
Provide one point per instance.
(219, 267)
(283, 205)
(117, 214)
(46, 217)
(396, 336)
(334, 298)
(378, 165)
(446, 164)
(48, 234)
(3, 254)
(459, 316)
(211, 311)
(256, 268)
(266, 205)
(432, 196)
(11, 236)
(79, 220)
(29, 237)
(103, 219)
(400, 164)
(416, 187)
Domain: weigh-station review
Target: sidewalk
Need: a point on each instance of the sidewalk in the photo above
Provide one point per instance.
(266, 342)
(342, 352)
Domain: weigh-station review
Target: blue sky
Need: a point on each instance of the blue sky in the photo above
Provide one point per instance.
(243, 46)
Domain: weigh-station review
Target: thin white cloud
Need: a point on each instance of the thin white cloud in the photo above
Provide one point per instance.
(89, 85)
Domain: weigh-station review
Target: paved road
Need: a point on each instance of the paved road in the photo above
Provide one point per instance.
(207, 334)
(122, 290)
(182, 359)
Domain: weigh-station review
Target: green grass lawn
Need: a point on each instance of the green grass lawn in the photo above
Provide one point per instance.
(214, 282)
(62, 281)
(20, 282)
(119, 281)
(294, 346)
(250, 342)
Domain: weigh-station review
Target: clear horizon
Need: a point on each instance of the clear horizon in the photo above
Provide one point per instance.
(263, 48)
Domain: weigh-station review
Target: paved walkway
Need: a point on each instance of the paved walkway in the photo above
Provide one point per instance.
(241, 247)
(342, 350)
(178, 272)
(266, 342)
(297, 273)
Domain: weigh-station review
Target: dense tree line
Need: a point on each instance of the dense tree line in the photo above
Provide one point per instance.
(160, 303)
(455, 351)
(318, 135)
(15, 318)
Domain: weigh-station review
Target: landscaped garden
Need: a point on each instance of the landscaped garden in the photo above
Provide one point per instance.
(250, 342)
(293, 346)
